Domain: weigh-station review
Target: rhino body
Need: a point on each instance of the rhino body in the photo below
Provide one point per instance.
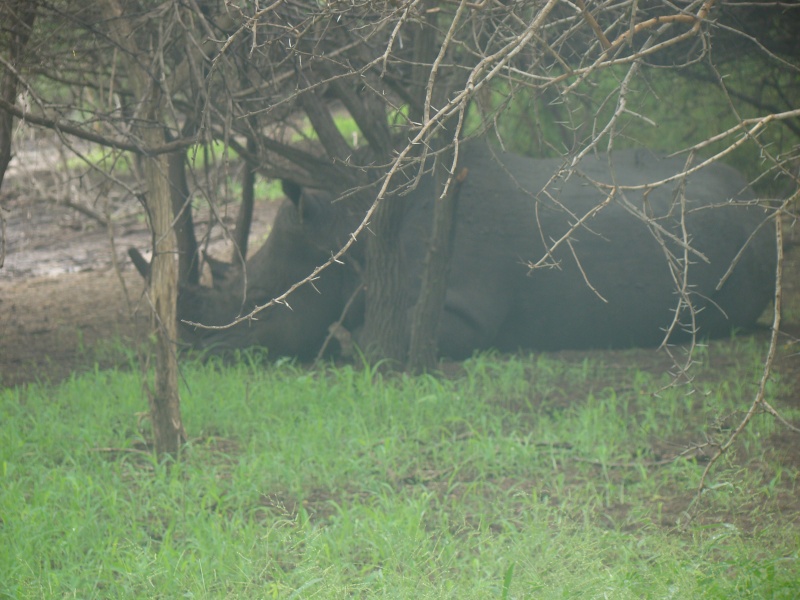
(510, 209)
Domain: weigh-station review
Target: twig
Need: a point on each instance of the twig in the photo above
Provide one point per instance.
(2, 236)
(335, 327)
(115, 263)
(79, 132)
(84, 210)
(116, 450)
(759, 400)
(601, 37)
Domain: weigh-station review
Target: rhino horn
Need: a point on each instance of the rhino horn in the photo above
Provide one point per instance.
(221, 271)
(140, 262)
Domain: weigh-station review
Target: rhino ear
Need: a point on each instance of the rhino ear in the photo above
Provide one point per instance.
(306, 204)
(292, 190)
(221, 272)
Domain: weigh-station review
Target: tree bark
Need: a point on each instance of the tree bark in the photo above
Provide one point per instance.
(164, 400)
(188, 267)
(244, 219)
(18, 17)
(423, 349)
(387, 297)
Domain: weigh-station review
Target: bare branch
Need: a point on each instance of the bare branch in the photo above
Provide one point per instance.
(760, 398)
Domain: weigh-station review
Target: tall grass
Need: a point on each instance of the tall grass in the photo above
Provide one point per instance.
(520, 478)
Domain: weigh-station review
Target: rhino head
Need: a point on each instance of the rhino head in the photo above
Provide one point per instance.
(308, 228)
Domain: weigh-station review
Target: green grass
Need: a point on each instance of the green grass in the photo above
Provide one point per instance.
(105, 159)
(520, 478)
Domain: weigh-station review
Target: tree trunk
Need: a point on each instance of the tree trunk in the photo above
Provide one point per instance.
(244, 219)
(18, 20)
(17, 17)
(165, 411)
(423, 350)
(387, 298)
(188, 267)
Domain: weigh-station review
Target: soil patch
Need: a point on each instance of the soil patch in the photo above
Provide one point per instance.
(62, 298)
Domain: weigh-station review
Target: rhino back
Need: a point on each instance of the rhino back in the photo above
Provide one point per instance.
(511, 207)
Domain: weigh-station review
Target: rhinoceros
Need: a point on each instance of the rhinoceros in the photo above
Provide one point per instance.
(613, 283)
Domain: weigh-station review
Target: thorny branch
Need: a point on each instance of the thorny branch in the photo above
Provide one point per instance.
(760, 400)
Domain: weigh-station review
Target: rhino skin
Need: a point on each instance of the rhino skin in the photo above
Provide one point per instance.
(503, 219)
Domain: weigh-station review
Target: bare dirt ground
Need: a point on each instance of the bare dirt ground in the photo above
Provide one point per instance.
(61, 286)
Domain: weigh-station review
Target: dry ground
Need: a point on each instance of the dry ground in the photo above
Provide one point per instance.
(61, 293)
(62, 296)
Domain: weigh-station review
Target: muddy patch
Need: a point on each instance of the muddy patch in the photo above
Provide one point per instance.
(67, 287)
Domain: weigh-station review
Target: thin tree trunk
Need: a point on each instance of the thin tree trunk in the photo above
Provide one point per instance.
(164, 400)
(188, 267)
(387, 297)
(17, 17)
(244, 219)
